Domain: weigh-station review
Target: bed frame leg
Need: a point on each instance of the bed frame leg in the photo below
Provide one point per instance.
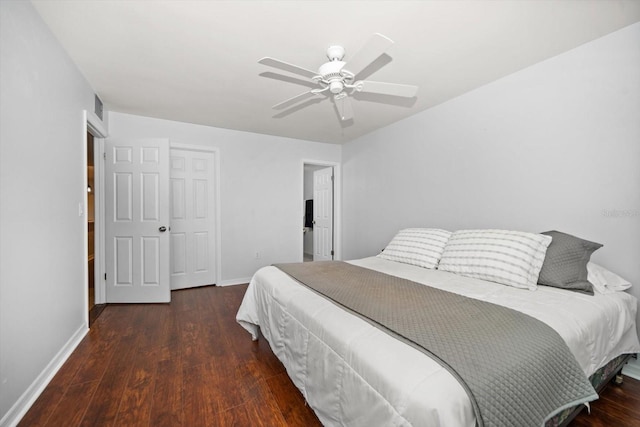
(619, 379)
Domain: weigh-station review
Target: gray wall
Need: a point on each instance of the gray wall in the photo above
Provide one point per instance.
(42, 163)
(553, 146)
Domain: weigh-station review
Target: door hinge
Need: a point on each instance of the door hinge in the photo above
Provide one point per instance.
(104, 156)
(105, 276)
(331, 252)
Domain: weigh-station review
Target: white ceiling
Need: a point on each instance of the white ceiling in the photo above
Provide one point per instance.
(197, 61)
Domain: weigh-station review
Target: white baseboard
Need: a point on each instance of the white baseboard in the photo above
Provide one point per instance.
(239, 281)
(28, 398)
(632, 369)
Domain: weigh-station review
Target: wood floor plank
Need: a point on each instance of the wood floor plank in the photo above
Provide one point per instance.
(259, 410)
(135, 405)
(73, 407)
(166, 407)
(150, 331)
(103, 408)
(39, 413)
(102, 347)
(201, 339)
(189, 363)
(619, 406)
(291, 402)
(205, 395)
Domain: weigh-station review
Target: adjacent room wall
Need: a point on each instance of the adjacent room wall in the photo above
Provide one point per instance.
(554, 146)
(261, 188)
(42, 164)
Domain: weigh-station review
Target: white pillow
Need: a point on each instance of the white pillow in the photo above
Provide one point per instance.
(605, 281)
(417, 246)
(511, 258)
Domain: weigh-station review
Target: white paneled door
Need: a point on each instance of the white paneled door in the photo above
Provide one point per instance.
(193, 233)
(323, 214)
(137, 220)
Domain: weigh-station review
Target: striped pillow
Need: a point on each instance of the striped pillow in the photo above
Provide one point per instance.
(511, 258)
(417, 246)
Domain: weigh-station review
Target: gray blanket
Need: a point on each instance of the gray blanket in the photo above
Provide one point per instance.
(516, 370)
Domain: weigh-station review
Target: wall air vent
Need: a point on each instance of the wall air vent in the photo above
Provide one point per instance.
(98, 107)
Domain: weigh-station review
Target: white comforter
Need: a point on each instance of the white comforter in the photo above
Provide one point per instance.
(353, 374)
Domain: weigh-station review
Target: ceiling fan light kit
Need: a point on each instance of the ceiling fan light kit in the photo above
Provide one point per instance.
(338, 76)
(335, 53)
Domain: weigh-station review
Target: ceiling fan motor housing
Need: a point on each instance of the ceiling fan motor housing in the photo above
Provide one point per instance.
(332, 76)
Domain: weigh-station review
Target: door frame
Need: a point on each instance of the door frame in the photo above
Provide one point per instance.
(216, 199)
(93, 125)
(337, 205)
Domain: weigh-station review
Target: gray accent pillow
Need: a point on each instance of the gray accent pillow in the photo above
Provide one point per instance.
(565, 263)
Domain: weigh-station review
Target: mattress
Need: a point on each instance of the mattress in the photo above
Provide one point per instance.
(352, 373)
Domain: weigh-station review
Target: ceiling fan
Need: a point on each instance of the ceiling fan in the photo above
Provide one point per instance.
(338, 77)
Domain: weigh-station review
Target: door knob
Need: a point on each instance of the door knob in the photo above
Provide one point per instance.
(162, 229)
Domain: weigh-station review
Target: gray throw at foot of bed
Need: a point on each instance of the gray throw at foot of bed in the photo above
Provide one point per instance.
(516, 370)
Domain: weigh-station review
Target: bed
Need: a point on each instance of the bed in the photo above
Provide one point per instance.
(353, 373)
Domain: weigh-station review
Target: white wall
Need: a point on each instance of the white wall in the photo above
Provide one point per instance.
(554, 146)
(261, 188)
(42, 260)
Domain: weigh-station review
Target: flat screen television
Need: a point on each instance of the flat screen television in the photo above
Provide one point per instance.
(308, 213)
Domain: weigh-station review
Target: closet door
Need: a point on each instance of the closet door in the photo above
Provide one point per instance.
(193, 233)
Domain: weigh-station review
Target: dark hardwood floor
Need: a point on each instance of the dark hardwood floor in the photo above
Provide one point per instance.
(189, 363)
(618, 406)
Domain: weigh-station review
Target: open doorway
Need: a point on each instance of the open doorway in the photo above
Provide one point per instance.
(318, 208)
(307, 200)
(93, 258)
(93, 190)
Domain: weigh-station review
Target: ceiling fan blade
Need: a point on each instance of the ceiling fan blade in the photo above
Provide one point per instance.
(289, 79)
(383, 88)
(344, 108)
(276, 63)
(298, 98)
(375, 47)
